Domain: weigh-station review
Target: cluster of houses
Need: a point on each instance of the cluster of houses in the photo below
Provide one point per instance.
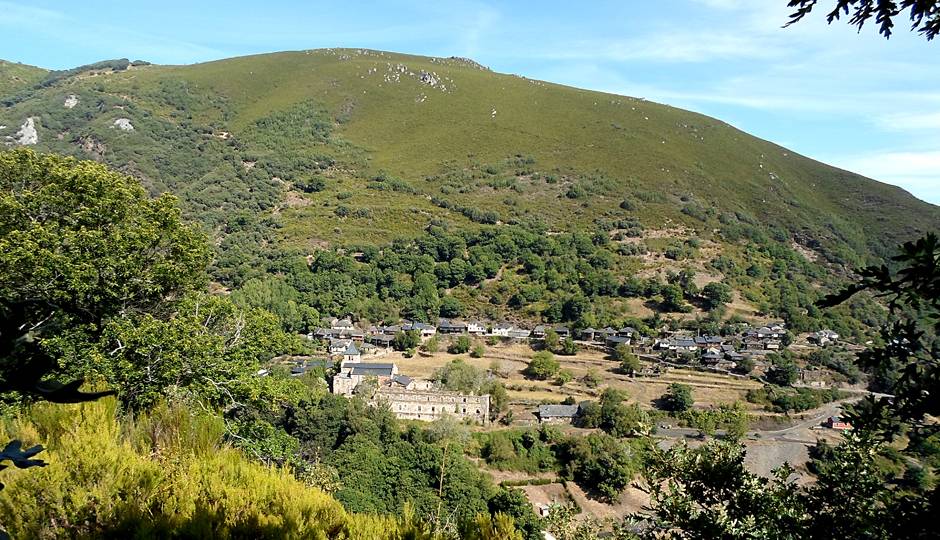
(357, 353)
(410, 398)
(384, 335)
(724, 352)
(718, 352)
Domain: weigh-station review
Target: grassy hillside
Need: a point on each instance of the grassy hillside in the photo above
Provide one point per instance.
(290, 152)
(15, 77)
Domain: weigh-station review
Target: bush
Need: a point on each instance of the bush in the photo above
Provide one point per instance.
(460, 346)
(568, 347)
(678, 398)
(311, 185)
(477, 351)
(459, 376)
(564, 377)
(600, 463)
(104, 479)
(543, 366)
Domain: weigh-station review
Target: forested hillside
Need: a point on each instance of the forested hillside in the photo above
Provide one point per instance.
(395, 185)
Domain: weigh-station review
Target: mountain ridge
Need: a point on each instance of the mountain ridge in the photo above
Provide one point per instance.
(425, 120)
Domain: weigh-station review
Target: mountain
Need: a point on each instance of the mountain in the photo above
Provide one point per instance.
(16, 77)
(342, 147)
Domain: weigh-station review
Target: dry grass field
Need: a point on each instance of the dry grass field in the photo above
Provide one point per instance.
(525, 394)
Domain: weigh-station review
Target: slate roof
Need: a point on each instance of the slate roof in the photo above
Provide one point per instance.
(372, 369)
(351, 350)
(403, 380)
(557, 411)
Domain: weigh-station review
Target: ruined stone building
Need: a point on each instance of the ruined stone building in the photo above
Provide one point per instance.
(430, 405)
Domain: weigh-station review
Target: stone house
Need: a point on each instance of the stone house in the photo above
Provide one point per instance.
(429, 405)
(449, 327)
(352, 374)
(557, 414)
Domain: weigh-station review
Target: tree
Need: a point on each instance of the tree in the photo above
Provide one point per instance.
(924, 14)
(551, 340)
(601, 462)
(612, 415)
(274, 294)
(783, 372)
(629, 362)
(592, 379)
(499, 398)
(81, 246)
(542, 366)
(513, 502)
(568, 347)
(460, 346)
(673, 299)
(678, 398)
(425, 302)
(451, 307)
(458, 376)
(744, 365)
(406, 340)
(716, 295)
(708, 493)
(432, 345)
(706, 422)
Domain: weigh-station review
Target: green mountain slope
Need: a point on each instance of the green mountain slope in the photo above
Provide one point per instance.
(281, 154)
(455, 125)
(15, 77)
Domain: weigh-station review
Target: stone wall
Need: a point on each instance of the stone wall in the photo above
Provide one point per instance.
(431, 405)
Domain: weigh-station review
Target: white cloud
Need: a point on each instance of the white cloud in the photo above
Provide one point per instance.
(909, 121)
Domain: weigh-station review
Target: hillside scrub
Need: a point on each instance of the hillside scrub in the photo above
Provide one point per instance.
(165, 474)
(260, 166)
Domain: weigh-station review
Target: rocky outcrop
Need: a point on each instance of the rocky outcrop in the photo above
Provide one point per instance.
(27, 133)
(124, 124)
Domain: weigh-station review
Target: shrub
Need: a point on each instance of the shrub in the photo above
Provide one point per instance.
(460, 346)
(459, 376)
(311, 185)
(568, 347)
(542, 366)
(564, 377)
(678, 398)
(104, 479)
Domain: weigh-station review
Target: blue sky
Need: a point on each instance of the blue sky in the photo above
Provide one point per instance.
(852, 100)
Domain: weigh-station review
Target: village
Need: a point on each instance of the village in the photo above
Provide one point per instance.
(363, 361)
